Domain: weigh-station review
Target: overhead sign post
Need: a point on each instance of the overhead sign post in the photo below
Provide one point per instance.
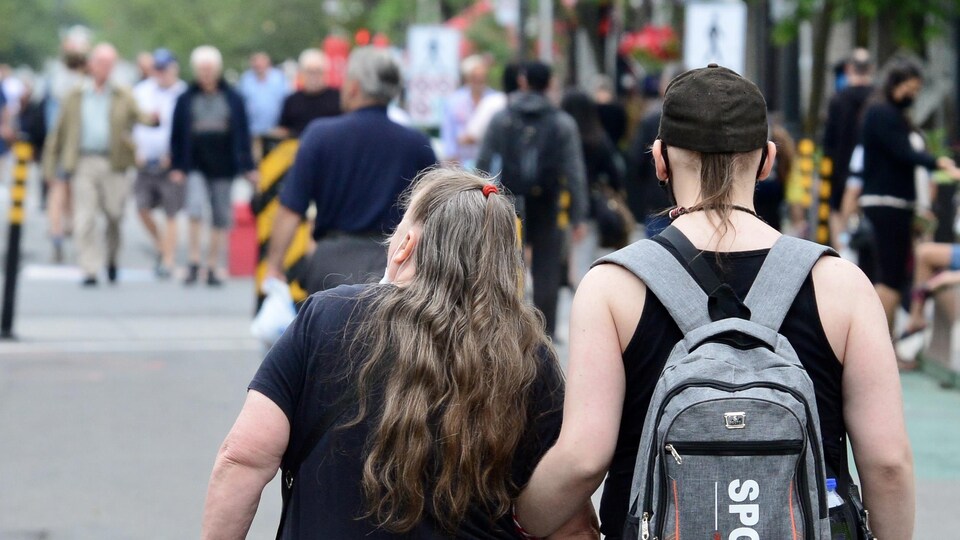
(433, 71)
(715, 32)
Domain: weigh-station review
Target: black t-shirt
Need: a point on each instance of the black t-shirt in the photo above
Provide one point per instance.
(301, 108)
(657, 334)
(308, 370)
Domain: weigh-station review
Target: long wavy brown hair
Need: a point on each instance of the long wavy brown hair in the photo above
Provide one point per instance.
(449, 361)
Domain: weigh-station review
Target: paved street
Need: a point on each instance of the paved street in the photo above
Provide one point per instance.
(114, 400)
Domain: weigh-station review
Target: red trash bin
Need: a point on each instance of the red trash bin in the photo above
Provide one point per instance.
(243, 241)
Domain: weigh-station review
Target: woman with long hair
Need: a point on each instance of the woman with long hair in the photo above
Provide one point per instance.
(711, 153)
(445, 384)
(889, 192)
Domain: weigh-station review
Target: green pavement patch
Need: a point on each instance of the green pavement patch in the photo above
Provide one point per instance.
(933, 422)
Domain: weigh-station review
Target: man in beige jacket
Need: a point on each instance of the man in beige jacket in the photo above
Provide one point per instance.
(91, 146)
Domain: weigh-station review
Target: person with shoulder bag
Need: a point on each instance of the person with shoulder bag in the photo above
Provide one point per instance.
(717, 370)
(413, 408)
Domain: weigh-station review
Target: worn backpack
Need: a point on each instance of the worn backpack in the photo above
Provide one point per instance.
(731, 446)
(531, 160)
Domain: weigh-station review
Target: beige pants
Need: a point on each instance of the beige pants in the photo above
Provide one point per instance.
(97, 189)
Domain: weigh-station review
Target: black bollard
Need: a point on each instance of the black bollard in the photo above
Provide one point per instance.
(23, 152)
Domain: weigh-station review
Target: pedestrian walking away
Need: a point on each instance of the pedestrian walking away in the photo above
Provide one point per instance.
(154, 186)
(353, 168)
(538, 150)
(209, 146)
(720, 288)
(362, 403)
(841, 133)
(90, 147)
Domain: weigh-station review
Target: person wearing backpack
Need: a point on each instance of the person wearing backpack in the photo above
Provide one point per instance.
(535, 148)
(771, 364)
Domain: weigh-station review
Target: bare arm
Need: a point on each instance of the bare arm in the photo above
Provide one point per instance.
(284, 228)
(248, 459)
(570, 472)
(872, 399)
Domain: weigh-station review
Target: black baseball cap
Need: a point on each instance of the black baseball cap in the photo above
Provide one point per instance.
(713, 110)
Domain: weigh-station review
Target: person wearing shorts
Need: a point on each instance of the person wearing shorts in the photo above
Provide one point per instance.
(210, 144)
(153, 187)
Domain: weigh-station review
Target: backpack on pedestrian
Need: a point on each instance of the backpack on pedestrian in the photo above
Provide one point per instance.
(731, 444)
(530, 159)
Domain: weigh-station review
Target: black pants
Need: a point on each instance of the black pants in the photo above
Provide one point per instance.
(342, 259)
(545, 240)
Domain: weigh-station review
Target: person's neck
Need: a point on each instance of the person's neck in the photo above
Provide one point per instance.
(209, 88)
(366, 104)
(476, 92)
(99, 86)
(686, 191)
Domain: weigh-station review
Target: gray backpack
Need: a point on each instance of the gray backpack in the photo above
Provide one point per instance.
(731, 443)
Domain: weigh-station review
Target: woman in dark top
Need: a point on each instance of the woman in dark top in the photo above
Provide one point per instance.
(621, 333)
(889, 191)
(449, 389)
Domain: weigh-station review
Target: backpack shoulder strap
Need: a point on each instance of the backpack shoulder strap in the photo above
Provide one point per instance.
(667, 279)
(783, 272)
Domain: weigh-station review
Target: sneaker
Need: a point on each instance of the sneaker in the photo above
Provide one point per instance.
(163, 273)
(212, 279)
(112, 272)
(89, 281)
(193, 273)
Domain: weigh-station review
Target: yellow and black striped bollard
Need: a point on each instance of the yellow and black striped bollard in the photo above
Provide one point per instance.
(23, 152)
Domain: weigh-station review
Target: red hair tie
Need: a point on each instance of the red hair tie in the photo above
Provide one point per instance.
(488, 189)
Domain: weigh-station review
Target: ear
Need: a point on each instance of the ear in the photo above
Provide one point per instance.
(767, 165)
(663, 171)
(407, 246)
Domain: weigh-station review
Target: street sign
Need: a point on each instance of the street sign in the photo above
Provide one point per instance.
(715, 32)
(434, 71)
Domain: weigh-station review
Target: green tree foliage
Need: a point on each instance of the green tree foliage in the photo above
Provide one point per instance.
(29, 31)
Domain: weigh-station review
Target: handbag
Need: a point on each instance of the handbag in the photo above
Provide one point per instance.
(615, 221)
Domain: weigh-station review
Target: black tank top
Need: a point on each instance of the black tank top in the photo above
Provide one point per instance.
(657, 334)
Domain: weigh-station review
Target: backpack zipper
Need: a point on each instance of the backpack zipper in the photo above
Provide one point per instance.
(804, 501)
(734, 448)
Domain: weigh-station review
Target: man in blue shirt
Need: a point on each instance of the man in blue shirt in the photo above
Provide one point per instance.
(263, 88)
(353, 168)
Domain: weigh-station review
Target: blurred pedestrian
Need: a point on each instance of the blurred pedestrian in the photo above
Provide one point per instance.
(31, 122)
(263, 88)
(353, 168)
(364, 400)
(842, 131)
(490, 105)
(557, 166)
(459, 107)
(889, 190)
(314, 100)
(90, 147)
(154, 186)
(645, 193)
(769, 198)
(145, 65)
(209, 147)
(604, 170)
(613, 115)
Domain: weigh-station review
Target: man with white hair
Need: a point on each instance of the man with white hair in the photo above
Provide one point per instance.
(210, 142)
(353, 168)
(315, 100)
(89, 146)
(459, 108)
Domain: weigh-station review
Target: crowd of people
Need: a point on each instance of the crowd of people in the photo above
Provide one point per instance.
(362, 403)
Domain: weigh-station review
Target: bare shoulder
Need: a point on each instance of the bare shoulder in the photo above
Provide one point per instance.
(843, 292)
(619, 291)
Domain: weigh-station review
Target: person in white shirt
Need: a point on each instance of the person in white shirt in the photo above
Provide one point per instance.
(458, 110)
(154, 186)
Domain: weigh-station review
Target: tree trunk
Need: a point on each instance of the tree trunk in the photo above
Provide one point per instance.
(821, 43)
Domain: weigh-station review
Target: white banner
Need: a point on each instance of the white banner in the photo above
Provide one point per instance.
(434, 71)
(715, 32)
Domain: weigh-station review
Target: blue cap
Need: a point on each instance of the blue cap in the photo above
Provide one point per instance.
(163, 58)
(831, 484)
